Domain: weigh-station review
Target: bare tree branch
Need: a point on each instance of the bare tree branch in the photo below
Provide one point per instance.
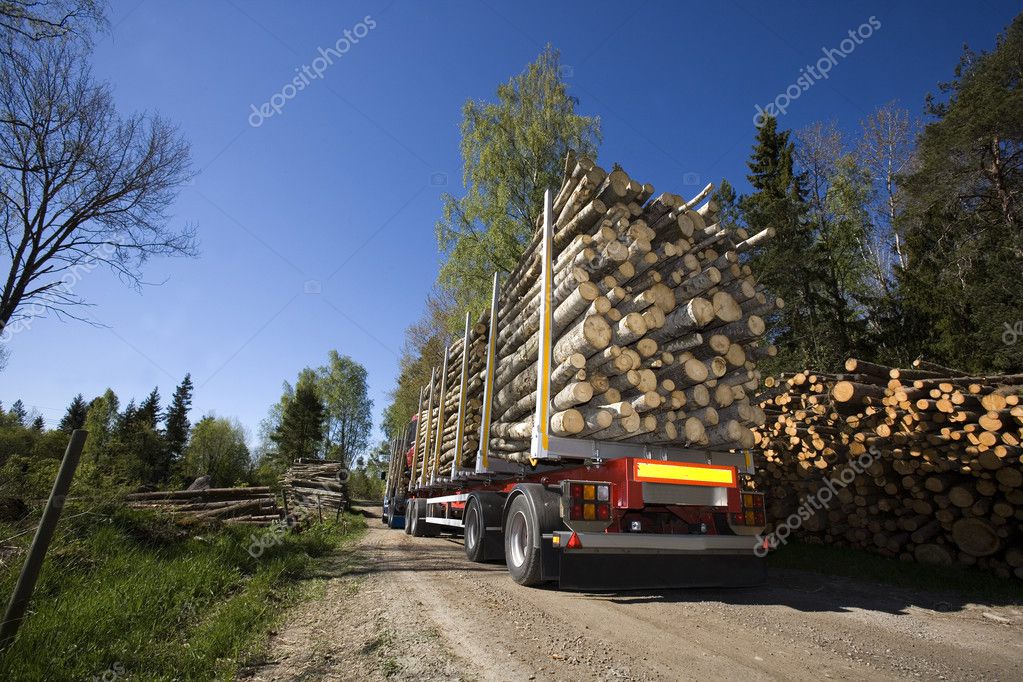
(80, 186)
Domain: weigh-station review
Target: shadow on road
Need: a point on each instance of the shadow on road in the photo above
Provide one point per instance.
(798, 590)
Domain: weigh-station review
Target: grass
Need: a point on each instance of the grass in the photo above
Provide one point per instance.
(964, 581)
(133, 596)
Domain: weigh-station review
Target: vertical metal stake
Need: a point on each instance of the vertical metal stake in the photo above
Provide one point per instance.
(541, 423)
(456, 463)
(488, 384)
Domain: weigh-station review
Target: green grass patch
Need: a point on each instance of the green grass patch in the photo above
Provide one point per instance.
(132, 595)
(854, 563)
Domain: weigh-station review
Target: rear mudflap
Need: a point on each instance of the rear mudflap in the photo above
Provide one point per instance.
(602, 572)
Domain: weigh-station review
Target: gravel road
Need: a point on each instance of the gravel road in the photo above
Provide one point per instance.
(398, 607)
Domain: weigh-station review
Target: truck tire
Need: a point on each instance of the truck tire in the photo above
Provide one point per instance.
(475, 530)
(418, 518)
(522, 555)
(408, 517)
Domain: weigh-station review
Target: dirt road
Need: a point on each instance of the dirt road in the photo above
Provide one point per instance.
(415, 608)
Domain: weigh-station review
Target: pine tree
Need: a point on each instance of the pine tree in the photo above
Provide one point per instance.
(149, 410)
(39, 424)
(74, 418)
(300, 433)
(176, 424)
(18, 412)
(778, 200)
(964, 215)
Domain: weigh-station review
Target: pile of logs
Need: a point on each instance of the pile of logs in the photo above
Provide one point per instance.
(313, 487)
(440, 400)
(247, 506)
(655, 327)
(924, 463)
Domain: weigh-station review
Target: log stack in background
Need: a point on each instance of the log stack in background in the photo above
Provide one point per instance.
(314, 487)
(655, 325)
(944, 477)
(248, 506)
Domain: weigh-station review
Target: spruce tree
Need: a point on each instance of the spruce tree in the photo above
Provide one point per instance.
(300, 433)
(39, 424)
(176, 424)
(74, 418)
(964, 217)
(778, 200)
(149, 409)
(18, 412)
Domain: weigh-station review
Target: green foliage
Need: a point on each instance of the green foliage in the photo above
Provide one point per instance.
(300, 433)
(176, 420)
(348, 410)
(217, 449)
(964, 219)
(75, 416)
(132, 589)
(512, 150)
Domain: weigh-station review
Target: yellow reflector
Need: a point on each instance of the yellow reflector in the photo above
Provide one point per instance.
(692, 474)
(750, 519)
(556, 539)
(589, 511)
(747, 500)
(589, 492)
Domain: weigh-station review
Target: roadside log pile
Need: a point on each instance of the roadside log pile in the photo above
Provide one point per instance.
(247, 506)
(314, 487)
(921, 464)
(655, 325)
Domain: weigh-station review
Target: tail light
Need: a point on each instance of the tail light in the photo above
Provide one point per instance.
(746, 509)
(586, 504)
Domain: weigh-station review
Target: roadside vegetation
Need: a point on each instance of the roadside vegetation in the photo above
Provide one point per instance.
(135, 595)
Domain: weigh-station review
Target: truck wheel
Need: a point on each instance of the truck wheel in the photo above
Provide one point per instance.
(475, 529)
(418, 522)
(408, 517)
(520, 553)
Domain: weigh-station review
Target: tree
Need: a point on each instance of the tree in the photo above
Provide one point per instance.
(836, 195)
(39, 424)
(423, 350)
(99, 422)
(149, 410)
(778, 200)
(18, 413)
(35, 20)
(176, 424)
(512, 150)
(885, 151)
(964, 216)
(217, 449)
(300, 433)
(80, 186)
(348, 417)
(74, 417)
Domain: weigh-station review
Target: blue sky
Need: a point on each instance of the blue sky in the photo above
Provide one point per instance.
(316, 227)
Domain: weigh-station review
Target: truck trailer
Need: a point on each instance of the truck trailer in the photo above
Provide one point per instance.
(581, 510)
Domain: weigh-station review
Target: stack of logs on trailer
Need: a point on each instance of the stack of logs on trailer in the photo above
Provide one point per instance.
(655, 328)
(921, 464)
(247, 506)
(314, 487)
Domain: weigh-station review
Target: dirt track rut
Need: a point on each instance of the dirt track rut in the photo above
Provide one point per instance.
(414, 608)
